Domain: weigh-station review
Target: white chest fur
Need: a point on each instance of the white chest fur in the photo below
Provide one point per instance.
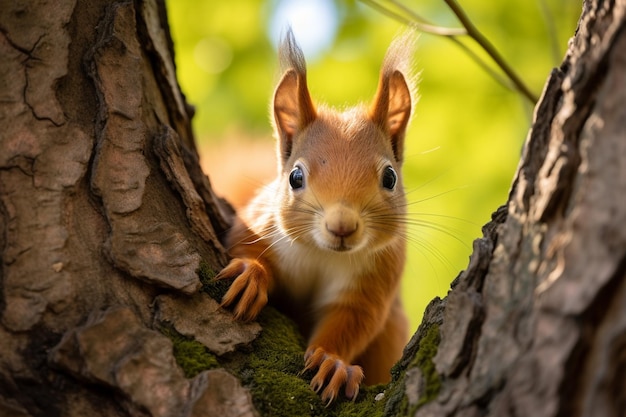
(317, 275)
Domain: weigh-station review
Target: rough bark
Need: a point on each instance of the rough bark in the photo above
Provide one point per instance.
(109, 237)
(104, 214)
(537, 323)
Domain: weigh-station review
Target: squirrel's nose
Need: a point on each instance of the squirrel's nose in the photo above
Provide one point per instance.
(341, 221)
(341, 229)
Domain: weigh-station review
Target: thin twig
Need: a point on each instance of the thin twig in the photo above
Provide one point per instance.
(512, 80)
(503, 81)
(421, 24)
(475, 34)
(408, 11)
(417, 21)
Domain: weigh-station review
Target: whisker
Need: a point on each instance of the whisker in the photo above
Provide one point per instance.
(444, 216)
(435, 195)
(291, 234)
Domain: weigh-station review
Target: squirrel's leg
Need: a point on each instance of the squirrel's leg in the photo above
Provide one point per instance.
(386, 349)
(344, 330)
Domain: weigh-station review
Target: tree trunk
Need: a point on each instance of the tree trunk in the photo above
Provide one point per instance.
(105, 216)
(109, 239)
(536, 326)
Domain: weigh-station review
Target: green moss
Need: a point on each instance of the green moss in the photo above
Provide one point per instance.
(272, 371)
(205, 272)
(424, 361)
(215, 288)
(192, 356)
(366, 404)
(398, 404)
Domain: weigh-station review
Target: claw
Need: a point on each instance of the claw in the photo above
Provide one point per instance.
(248, 291)
(234, 268)
(334, 385)
(313, 358)
(332, 374)
(353, 381)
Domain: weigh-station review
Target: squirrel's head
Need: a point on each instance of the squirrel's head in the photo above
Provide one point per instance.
(340, 182)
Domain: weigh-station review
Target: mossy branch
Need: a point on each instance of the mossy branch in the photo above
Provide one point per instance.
(408, 17)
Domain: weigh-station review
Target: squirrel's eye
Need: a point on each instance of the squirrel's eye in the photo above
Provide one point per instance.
(389, 178)
(296, 178)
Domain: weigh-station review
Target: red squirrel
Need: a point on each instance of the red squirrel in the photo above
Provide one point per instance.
(326, 239)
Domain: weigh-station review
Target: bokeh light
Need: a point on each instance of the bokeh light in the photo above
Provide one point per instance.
(314, 24)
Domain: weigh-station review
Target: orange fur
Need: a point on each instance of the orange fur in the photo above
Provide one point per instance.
(328, 246)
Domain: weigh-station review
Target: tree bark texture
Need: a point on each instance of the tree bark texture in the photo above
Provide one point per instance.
(104, 213)
(536, 326)
(107, 225)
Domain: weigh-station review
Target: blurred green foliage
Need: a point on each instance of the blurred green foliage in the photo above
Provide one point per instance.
(467, 132)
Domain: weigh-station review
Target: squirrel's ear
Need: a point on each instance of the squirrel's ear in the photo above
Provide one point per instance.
(293, 110)
(391, 109)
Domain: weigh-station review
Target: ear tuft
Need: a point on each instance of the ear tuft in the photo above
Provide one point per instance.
(392, 105)
(293, 107)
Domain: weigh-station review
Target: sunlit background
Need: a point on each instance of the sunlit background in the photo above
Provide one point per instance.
(464, 141)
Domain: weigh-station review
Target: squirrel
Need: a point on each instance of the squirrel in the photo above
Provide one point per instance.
(326, 239)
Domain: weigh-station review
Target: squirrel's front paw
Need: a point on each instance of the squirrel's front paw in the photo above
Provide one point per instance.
(249, 289)
(332, 372)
